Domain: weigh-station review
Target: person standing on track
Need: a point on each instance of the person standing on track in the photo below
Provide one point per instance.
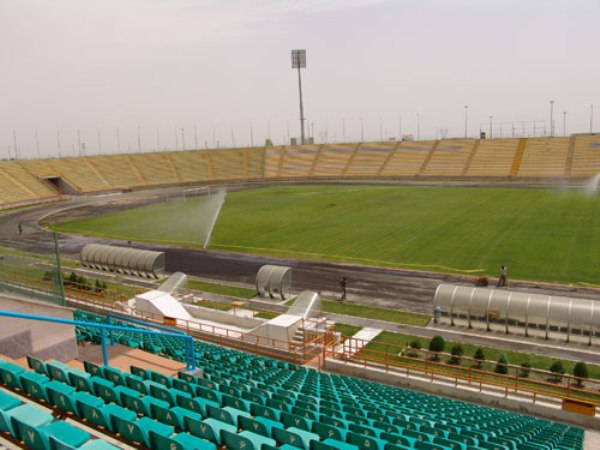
(502, 279)
(343, 283)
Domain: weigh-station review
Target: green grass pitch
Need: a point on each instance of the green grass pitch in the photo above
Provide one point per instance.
(540, 234)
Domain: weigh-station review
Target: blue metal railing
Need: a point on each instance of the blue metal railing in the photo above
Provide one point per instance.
(190, 357)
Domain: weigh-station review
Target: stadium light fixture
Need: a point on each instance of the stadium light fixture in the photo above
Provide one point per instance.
(551, 118)
(299, 62)
(491, 126)
(466, 119)
(564, 123)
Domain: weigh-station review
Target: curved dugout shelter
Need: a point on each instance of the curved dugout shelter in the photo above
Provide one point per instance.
(520, 310)
(125, 260)
(273, 280)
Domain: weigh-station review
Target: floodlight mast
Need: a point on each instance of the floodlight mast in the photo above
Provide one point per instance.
(299, 62)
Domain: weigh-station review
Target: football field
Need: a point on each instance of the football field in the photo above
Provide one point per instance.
(540, 234)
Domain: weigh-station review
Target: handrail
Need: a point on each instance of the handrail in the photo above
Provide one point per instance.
(190, 357)
(566, 386)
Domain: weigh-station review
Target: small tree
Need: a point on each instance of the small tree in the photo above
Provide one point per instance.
(72, 280)
(457, 351)
(581, 372)
(437, 345)
(479, 357)
(525, 370)
(501, 365)
(557, 370)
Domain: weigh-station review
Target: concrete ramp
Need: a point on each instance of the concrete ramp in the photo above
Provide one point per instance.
(161, 303)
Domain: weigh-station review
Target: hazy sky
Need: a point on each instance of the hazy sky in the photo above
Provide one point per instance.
(224, 65)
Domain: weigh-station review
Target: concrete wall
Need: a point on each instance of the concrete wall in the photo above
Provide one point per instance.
(472, 396)
(44, 340)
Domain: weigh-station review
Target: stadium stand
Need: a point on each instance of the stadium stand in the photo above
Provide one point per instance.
(117, 170)
(408, 159)
(333, 160)
(79, 174)
(368, 159)
(154, 169)
(586, 156)
(559, 157)
(191, 166)
(17, 186)
(544, 158)
(244, 401)
(494, 158)
(227, 164)
(298, 161)
(449, 158)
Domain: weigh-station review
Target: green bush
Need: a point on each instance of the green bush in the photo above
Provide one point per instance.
(413, 348)
(479, 358)
(580, 370)
(436, 345)
(501, 365)
(457, 351)
(557, 370)
(525, 369)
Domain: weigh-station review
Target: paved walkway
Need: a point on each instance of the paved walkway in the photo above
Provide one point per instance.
(363, 337)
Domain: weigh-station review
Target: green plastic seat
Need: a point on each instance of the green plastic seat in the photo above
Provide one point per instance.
(181, 441)
(98, 444)
(8, 401)
(58, 435)
(196, 404)
(141, 405)
(93, 369)
(9, 374)
(398, 439)
(332, 444)
(295, 436)
(115, 375)
(265, 411)
(245, 440)
(269, 424)
(293, 420)
(327, 431)
(139, 430)
(61, 395)
(247, 423)
(24, 417)
(174, 416)
(58, 371)
(135, 382)
(364, 442)
(104, 416)
(33, 384)
(82, 381)
(209, 429)
(37, 365)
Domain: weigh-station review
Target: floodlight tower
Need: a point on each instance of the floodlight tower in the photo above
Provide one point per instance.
(299, 62)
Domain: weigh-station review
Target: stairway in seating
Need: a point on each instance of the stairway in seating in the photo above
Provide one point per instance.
(570, 152)
(516, 165)
(428, 158)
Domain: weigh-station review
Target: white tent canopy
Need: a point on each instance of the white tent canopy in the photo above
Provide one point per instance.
(518, 309)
